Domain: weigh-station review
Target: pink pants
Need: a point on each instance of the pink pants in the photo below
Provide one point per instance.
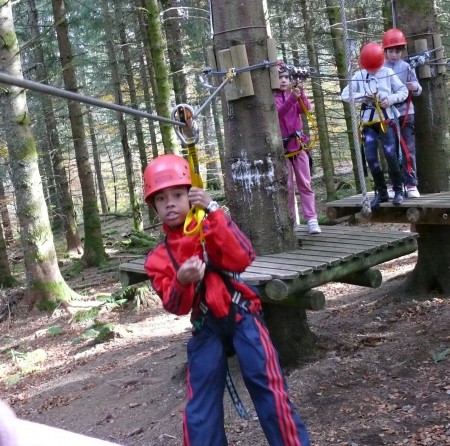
(299, 166)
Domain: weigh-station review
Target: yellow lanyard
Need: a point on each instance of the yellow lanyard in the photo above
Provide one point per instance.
(188, 136)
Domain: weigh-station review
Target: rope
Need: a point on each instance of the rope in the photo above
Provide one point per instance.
(366, 211)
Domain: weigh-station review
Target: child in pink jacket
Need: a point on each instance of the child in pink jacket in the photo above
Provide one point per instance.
(289, 110)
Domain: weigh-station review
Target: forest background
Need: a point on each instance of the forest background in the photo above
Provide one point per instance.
(71, 173)
(149, 56)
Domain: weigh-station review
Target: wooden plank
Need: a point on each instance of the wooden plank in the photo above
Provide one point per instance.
(330, 260)
(278, 274)
(291, 264)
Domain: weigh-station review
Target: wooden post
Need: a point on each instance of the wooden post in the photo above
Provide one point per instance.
(423, 71)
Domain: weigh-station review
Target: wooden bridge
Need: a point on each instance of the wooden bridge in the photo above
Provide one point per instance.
(342, 254)
(430, 209)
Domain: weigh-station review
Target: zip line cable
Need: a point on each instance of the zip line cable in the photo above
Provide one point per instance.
(366, 211)
(72, 96)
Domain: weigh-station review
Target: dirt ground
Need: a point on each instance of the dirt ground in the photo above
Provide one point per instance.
(380, 374)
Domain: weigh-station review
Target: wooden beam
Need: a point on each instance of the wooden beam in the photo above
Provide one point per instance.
(281, 290)
(370, 278)
(309, 300)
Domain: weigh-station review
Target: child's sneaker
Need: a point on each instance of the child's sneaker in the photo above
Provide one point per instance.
(391, 192)
(313, 226)
(413, 192)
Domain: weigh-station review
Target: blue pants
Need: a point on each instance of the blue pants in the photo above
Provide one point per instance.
(258, 361)
(371, 135)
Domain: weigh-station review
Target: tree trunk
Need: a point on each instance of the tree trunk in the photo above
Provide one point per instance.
(163, 88)
(132, 90)
(126, 150)
(6, 278)
(66, 206)
(97, 163)
(44, 280)
(254, 167)
(319, 106)
(337, 37)
(173, 31)
(94, 251)
(4, 214)
(289, 332)
(418, 20)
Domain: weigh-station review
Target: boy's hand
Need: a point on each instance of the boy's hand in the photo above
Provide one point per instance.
(412, 86)
(384, 103)
(191, 271)
(199, 197)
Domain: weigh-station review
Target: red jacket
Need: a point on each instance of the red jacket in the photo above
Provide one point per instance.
(228, 249)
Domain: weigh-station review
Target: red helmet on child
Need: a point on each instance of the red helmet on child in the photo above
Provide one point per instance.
(165, 171)
(371, 57)
(393, 37)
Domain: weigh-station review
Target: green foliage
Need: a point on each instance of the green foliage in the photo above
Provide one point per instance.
(14, 379)
(55, 331)
(137, 295)
(16, 354)
(140, 240)
(440, 356)
(100, 333)
(74, 270)
(86, 315)
(47, 305)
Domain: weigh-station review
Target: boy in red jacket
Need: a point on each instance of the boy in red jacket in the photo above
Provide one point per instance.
(203, 278)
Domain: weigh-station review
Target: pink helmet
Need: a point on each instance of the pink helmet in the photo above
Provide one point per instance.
(165, 171)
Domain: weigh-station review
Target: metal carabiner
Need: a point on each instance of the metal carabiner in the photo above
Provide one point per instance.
(189, 133)
(369, 79)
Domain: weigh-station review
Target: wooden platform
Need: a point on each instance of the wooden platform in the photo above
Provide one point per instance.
(428, 209)
(343, 254)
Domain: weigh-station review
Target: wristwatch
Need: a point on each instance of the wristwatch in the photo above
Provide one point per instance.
(212, 207)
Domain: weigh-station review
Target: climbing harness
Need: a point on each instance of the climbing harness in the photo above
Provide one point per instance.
(200, 313)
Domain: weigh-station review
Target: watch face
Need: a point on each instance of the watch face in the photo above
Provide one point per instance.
(213, 206)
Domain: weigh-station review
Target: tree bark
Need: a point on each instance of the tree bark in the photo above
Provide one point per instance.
(162, 93)
(174, 36)
(132, 89)
(4, 214)
(97, 163)
(254, 165)
(418, 21)
(6, 278)
(319, 106)
(126, 150)
(94, 251)
(66, 206)
(44, 280)
(337, 37)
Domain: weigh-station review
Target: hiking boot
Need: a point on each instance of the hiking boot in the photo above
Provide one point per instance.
(380, 197)
(313, 226)
(398, 198)
(412, 192)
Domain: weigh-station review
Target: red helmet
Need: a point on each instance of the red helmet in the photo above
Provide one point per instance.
(165, 171)
(393, 37)
(371, 57)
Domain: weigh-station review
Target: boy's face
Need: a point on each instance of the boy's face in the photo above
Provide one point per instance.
(172, 205)
(284, 81)
(394, 54)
